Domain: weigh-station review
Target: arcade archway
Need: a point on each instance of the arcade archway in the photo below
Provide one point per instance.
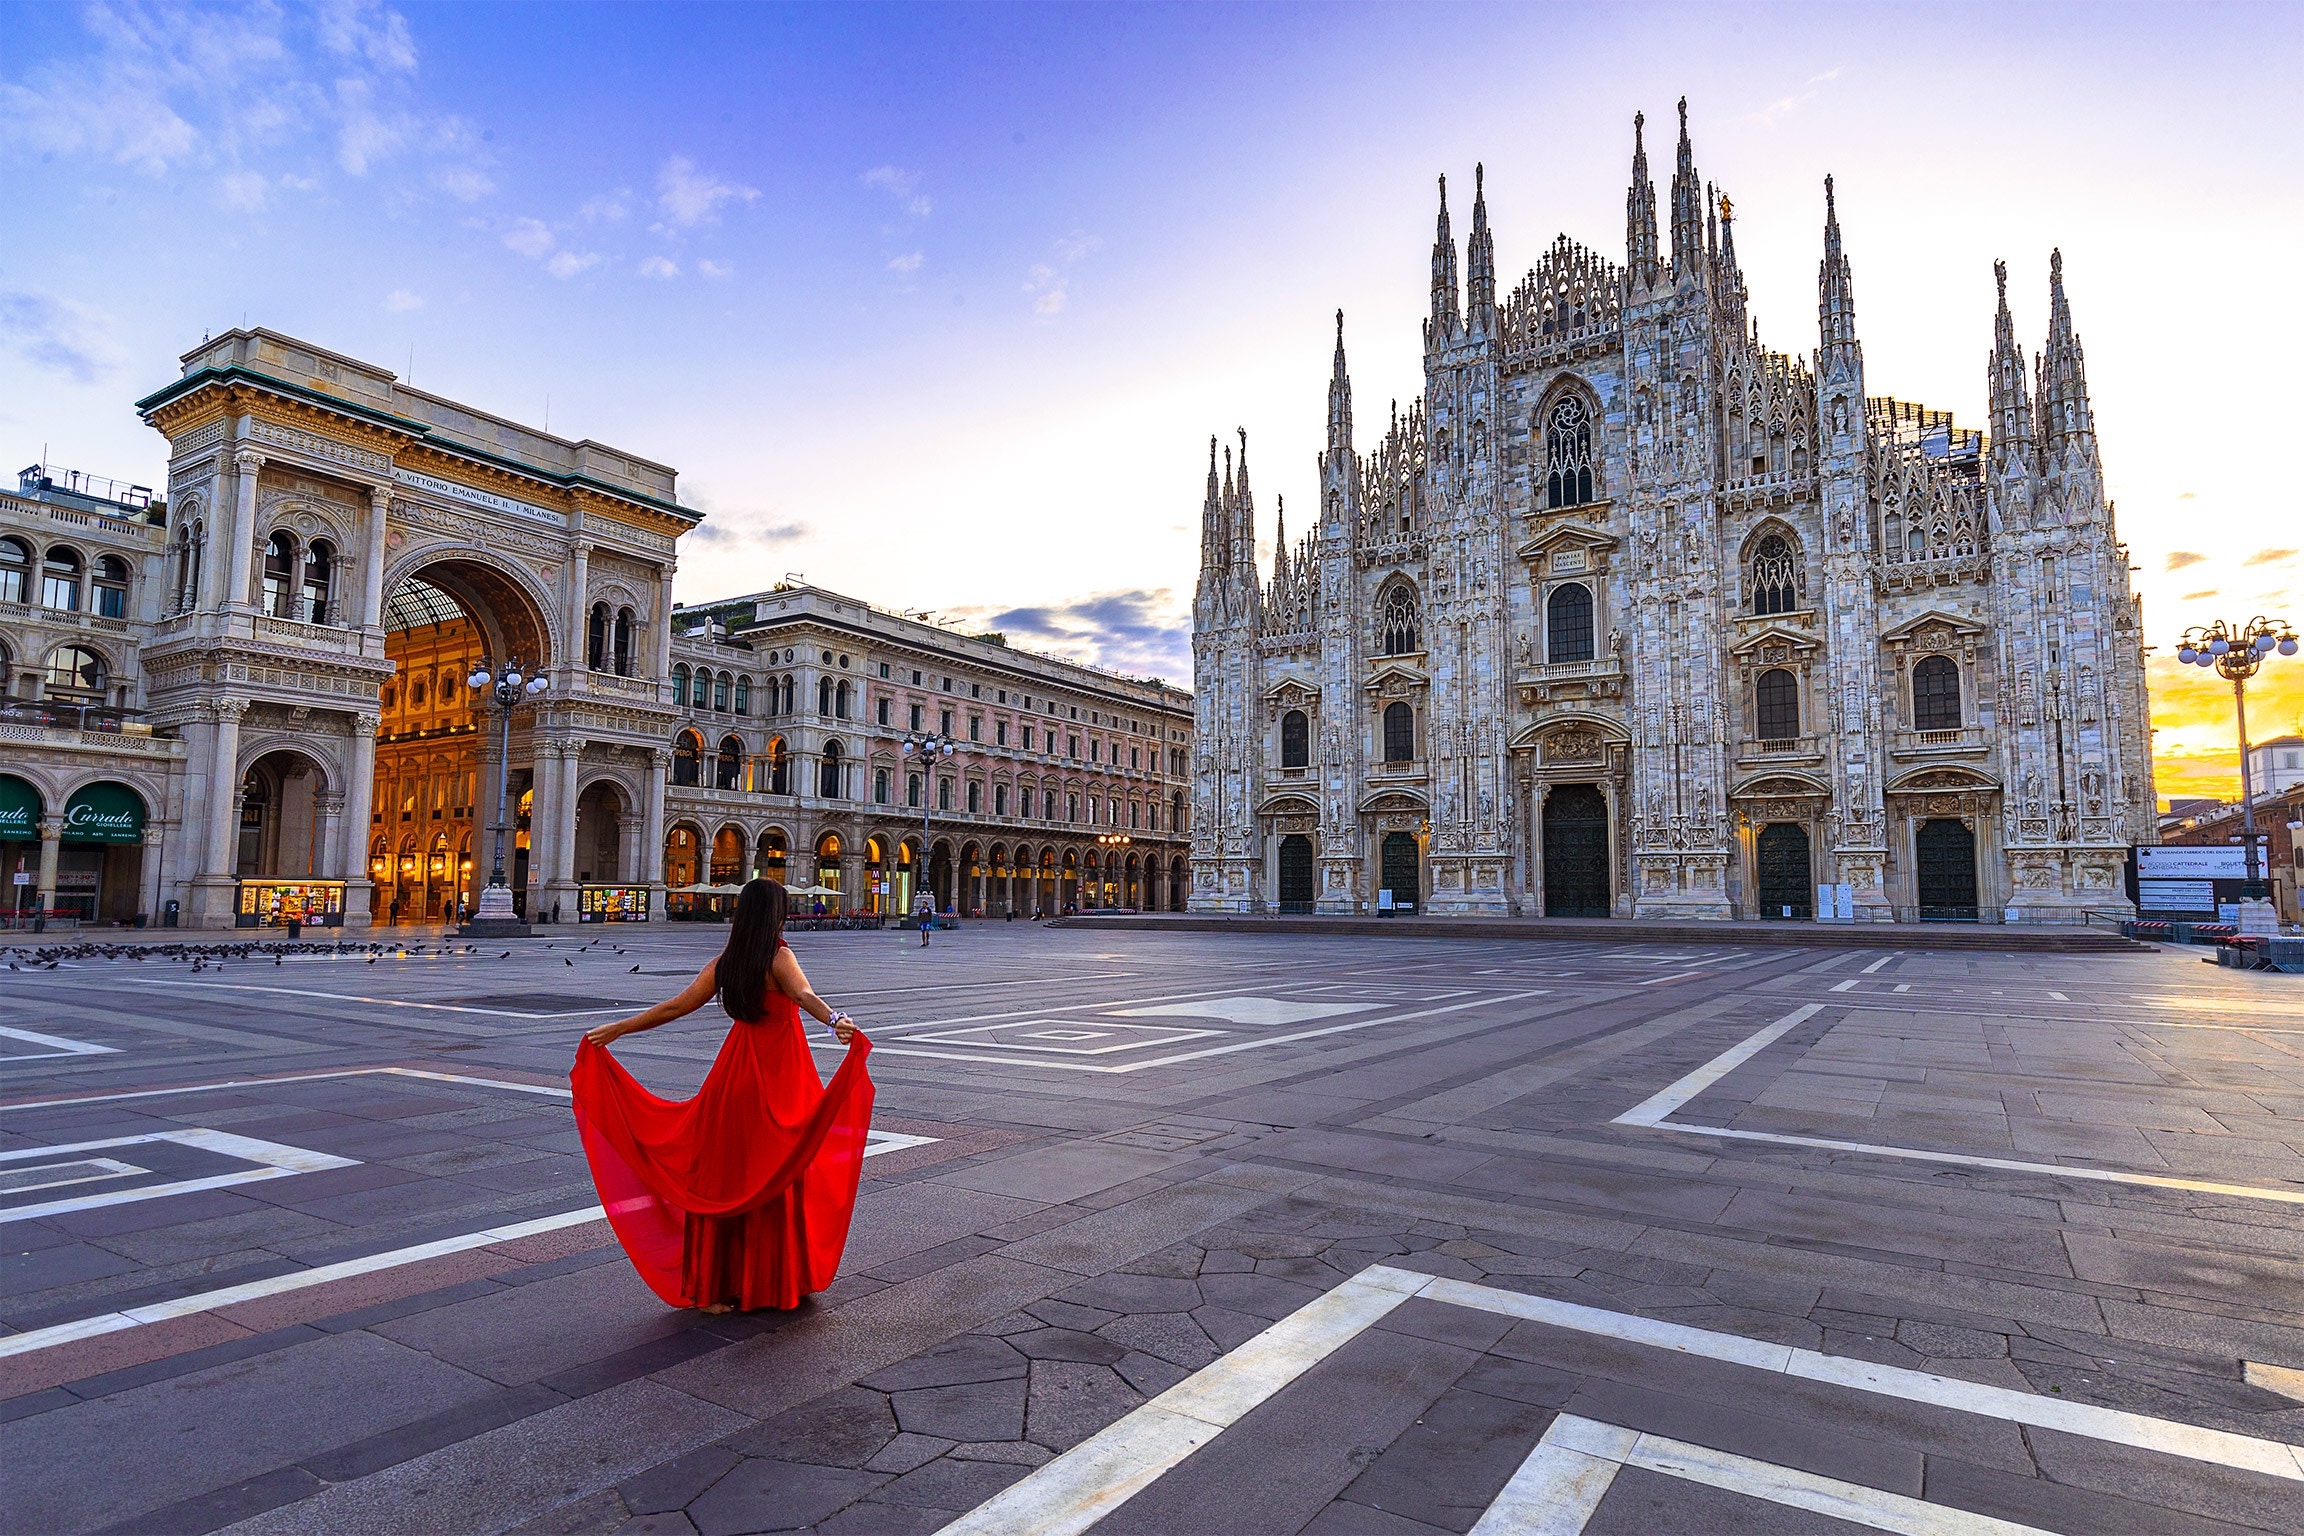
(436, 748)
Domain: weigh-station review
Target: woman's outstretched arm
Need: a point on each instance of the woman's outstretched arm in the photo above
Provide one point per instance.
(794, 984)
(692, 997)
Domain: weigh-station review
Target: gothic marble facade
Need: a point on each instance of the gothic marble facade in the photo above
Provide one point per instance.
(1630, 614)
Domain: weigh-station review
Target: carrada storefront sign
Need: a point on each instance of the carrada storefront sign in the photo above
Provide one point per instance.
(104, 813)
(19, 810)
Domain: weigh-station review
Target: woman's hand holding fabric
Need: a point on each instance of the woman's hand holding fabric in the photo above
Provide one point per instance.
(605, 1034)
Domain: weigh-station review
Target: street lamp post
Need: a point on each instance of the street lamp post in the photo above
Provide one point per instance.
(2236, 653)
(929, 748)
(508, 686)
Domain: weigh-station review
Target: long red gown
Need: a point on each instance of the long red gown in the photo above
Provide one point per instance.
(742, 1194)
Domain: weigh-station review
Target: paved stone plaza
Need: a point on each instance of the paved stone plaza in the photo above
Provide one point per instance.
(1177, 1233)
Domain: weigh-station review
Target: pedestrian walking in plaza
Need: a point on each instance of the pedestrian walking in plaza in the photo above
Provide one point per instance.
(925, 910)
(740, 1196)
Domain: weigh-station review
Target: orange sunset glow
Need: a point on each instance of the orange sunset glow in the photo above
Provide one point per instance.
(2193, 745)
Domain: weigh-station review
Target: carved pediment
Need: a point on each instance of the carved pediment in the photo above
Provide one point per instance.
(1292, 693)
(1288, 804)
(1566, 548)
(1392, 679)
(1934, 622)
(1395, 802)
(1943, 779)
(1780, 785)
(1572, 736)
(1777, 642)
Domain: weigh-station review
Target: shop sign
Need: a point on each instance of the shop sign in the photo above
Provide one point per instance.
(104, 813)
(19, 810)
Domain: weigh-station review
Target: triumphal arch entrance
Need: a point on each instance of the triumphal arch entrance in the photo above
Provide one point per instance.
(345, 551)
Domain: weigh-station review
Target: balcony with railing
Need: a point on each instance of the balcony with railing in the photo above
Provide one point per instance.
(1964, 741)
(1779, 751)
(66, 723)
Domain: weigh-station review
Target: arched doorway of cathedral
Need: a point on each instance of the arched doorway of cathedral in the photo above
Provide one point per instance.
(1296, 871)
(288, 818)
(437, 747)
(603, 820)
(1179, 883)
(1945, 853)
(1786, 872)
(1576, 872)
(1400, 871)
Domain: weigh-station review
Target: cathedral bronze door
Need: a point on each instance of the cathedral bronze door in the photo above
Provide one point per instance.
(1785, 887)
(1947, 859)
(1295, 873)
(1576, 880)
(1401, 875)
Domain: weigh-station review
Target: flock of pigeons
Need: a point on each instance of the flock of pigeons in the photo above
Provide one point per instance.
(211, 957)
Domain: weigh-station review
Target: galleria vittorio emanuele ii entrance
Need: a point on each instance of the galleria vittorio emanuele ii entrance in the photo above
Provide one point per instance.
(346, 551)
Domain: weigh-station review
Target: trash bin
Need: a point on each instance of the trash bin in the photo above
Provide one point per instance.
(295, 929)
(168, 917)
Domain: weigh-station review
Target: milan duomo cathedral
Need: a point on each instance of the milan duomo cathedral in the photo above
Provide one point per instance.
(1632, 615)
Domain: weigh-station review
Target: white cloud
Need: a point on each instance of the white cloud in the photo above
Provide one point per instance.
(708, 268)
(569, 263)
(690, 196)
(60, 336)
(909, 262)
(361, 29)
(400, 301)
(659, 266)
(465, 183)
(607, 208)
(1783, 106)
(530, 237)
(904, 186)
(244, 191)
(1050, 283)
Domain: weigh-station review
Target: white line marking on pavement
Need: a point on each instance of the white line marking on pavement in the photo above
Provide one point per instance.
(1071, 1493)
(1214, 1050)
(1066, 1496)
(1877, 964)
(2273, 1378)
(378, 1002)
(1903, 986)
(83, 1170)
(1845, 986)
(301, 1279)
(272, 1160)
(1559, 1486)
(1654, 1109)
(1657, 981)
(2060, 997)
(1652, 1114)
(59, 1046)
(1606, 1446)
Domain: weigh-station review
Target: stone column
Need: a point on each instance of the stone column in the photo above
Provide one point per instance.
(544, 839)
(245, 463)
(567, 764)
(51, 848)
(330, 836)
(648, 869)
(663, 658)
(219, 856)
(372, 564)
(579, 621)
(340, 572)
(155, 840)
(359, 816)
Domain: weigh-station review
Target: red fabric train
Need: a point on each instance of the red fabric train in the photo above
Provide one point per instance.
(741, 1195)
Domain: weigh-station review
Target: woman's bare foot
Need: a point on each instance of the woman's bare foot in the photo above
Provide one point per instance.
(716, 1309)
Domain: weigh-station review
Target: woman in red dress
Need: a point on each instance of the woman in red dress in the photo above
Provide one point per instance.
(740, 1196)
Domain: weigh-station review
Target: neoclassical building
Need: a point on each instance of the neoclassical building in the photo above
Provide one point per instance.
(1632, 614)
(246, 698)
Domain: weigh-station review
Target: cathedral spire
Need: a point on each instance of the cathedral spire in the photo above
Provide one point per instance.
(1280, 543)
(1731, 277)
(1446, 311)
(2064, 412)
(1215, 531)
(1340, 398)
(1480, 261)
(1244, 523)
(1835, 295)
(1640, 213)
(1687, 209)
(2011, 401)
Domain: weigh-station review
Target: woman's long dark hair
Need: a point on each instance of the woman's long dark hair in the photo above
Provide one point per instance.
(752, 939)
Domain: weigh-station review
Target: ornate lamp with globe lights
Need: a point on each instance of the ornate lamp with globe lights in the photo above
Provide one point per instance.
(2236, 653)
(928, 748)
(508, 687)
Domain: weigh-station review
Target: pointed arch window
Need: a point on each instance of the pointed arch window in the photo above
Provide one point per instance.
(1396, 620)
(1568, 453)
(1568, 623)
(1936, 694)
(1775, 578)
(1295, 739)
